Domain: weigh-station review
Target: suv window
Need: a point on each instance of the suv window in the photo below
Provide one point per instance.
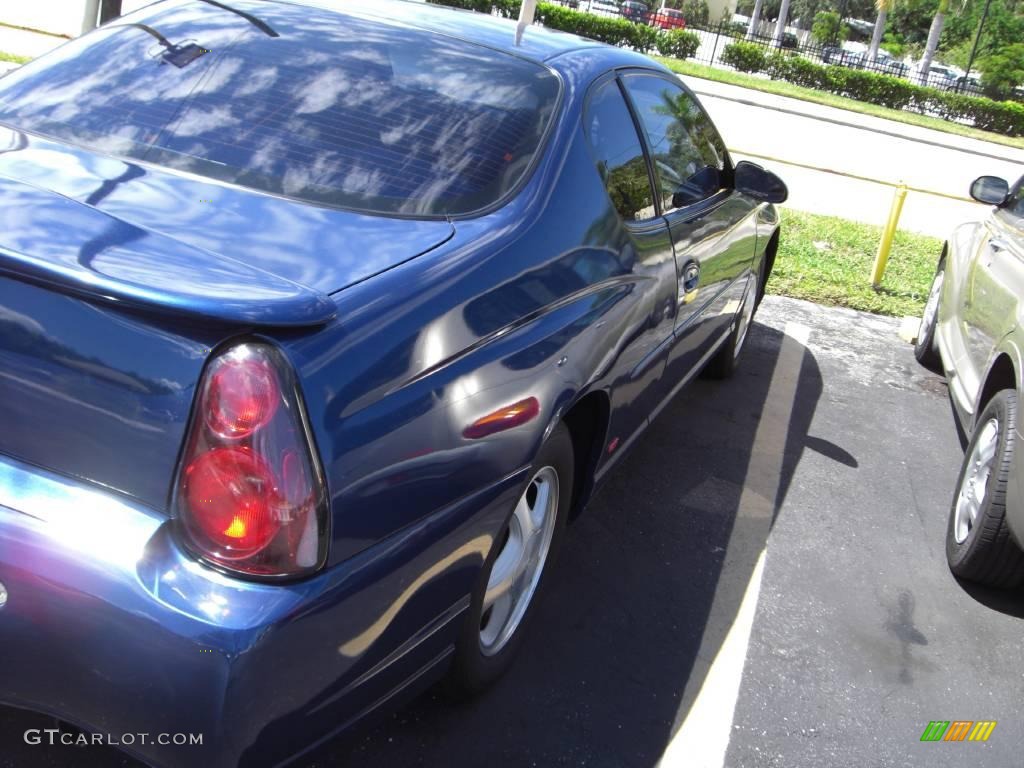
(690, 159)
(1013, 210)
(356, 113)
(618, 153)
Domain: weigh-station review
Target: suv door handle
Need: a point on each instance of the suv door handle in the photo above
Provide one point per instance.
(997, 245)
(691, 277)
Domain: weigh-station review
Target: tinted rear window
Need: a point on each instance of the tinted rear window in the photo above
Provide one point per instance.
(334, 109)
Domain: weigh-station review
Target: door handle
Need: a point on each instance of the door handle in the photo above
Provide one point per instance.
(997, 245)
(691, 277)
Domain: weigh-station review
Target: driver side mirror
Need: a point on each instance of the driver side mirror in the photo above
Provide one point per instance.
(990, 189)
(754, 181)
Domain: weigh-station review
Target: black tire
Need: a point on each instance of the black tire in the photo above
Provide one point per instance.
(723, 365)
(988, 555)
(926, 349)
(472, 670)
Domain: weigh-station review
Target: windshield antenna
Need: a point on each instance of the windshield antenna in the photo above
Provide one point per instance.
(261, 25)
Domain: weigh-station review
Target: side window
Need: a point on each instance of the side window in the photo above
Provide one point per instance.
(689, 158)
(1013, 210)
(618, 153)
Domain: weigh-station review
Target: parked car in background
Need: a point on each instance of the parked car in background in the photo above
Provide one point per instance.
(635, 11)
(603, 8)
(888, 64)
(968, 83)
(668, 18)
(317, 327)
(939, 76)
(835, 55)
(972, 330)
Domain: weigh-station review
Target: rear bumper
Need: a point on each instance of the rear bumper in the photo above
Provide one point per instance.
(108, 625)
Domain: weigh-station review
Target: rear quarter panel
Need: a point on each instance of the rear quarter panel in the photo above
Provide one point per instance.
(536, 299)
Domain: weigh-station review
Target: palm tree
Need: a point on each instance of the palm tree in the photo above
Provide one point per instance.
(780, 26)
(755, 19)
(933, 40)
(884, 8)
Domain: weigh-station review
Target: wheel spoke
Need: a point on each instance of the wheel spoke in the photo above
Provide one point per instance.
(524, 516)
(988, 450)
(973, 505)
(540, 505)
(496, 616)
(506, 569)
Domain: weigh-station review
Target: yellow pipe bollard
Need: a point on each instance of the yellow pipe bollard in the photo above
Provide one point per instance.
(882, 259)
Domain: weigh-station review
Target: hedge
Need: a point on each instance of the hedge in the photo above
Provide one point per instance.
(746, 57)
(678, 43)
(619, 32)
(1005, 117)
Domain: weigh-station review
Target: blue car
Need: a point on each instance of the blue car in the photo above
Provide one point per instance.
(317, 327)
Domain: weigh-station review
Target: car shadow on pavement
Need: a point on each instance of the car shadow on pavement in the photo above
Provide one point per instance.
(1006, 601)
(649, 582)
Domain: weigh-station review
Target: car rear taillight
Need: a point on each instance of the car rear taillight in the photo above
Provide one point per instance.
(250, 497)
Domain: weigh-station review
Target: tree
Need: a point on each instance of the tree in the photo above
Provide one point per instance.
(755, 19)
(883, 7)
(759, 10)
(695, 12)
(1003, 27)
(828, 28)
(910, 19)
(933, 40)
(1002, 71)
(780, 26)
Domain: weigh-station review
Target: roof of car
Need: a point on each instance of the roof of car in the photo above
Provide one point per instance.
(536, 43)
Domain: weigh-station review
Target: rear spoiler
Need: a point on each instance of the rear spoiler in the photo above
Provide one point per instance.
(72, 247)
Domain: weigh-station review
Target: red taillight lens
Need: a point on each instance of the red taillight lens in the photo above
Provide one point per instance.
(232, 495)
(243, 397)
(249, 496)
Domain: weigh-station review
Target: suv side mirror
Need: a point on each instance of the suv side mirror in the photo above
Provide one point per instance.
(990, 189)
(754, 181)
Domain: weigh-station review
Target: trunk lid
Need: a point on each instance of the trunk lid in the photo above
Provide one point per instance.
(116, 282)
(173, 243)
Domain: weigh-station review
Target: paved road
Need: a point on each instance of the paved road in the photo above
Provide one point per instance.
(763, 124)
(833, 452)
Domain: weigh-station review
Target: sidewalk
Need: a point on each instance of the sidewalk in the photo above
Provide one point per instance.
(22, 42)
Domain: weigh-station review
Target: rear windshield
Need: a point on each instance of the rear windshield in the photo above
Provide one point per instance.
(297, 101)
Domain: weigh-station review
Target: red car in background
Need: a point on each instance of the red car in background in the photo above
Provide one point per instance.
(668, 18)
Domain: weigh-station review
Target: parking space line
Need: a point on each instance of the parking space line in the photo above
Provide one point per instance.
(703, 737)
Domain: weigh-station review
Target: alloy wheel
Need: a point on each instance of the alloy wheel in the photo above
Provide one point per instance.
(525, 543)
(931, 308)
(976, 479)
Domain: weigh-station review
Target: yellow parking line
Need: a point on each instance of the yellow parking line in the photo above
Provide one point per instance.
(850, 175)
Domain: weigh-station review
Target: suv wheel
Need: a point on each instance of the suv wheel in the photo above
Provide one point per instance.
(979, 546)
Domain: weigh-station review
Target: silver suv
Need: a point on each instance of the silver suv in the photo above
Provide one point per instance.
(973, 328)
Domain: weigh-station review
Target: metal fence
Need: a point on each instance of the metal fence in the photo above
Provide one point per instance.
(716, 37)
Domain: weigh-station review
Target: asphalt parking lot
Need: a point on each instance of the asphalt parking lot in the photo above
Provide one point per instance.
(833, 453)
